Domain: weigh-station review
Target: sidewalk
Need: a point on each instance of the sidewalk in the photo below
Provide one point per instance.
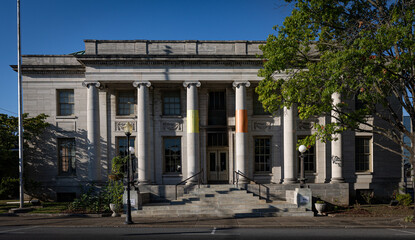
(54, 220)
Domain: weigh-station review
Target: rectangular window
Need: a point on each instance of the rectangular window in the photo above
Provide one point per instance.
(171, 103)
(257, 106)
(309, 158)
(122, 145)
(126, 103)
(67, 158)
(172, 155)
(218, 139)
(362, 150)
(262, 154)
(217, 109)
(66, 102)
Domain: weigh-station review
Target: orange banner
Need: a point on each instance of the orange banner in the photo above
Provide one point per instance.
(241, 118)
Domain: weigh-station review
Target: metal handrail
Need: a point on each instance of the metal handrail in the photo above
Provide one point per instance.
(236, 175)
(199, 180)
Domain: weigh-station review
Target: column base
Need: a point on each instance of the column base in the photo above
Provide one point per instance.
(143, 182)
(243, 180)
(189, 183)
(290, 181)
(337, 180)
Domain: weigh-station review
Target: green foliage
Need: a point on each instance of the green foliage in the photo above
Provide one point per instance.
(118, 163)
(404, 199)
(361, 49)
(409, 219)
(368, 196)
(114, 193)
(94, 200)
(90, 201)
(9, 140)
(9, 188)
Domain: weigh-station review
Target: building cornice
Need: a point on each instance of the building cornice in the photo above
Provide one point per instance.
(45, 69)
(169, 60)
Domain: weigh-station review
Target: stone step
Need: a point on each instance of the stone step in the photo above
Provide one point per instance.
(221, 206)
(217, 194)
(221, 210)
(226, 214)
(223, 201)
(220, 201)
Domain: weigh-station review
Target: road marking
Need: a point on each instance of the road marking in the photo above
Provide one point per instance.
(18, 229)
(213, 231)
(398, 230)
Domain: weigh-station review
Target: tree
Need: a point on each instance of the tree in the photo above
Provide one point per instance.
(362, 49)
(9, 142)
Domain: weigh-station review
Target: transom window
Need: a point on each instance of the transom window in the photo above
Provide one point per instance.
(67, 156)
(217, 139)
(66, 102)
(262, 154)
(172, 155)
(126, 103)
(171, 103)
(362, 158)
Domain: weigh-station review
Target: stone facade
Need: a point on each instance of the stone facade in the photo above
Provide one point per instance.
(216, 141)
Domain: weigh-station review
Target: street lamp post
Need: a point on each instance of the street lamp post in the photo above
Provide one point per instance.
(128, 128)
(302, 179)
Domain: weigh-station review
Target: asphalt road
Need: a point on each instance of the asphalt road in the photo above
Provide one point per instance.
(94, 233)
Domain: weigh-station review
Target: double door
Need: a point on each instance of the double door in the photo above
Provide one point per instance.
(218, 166)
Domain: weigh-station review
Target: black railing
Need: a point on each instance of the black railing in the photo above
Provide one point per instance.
(239, 173)
(199, 180)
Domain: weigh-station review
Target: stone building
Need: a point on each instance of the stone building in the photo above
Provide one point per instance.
(193, 108)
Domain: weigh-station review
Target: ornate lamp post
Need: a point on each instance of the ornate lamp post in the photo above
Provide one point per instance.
(128, 128)
(302, 179)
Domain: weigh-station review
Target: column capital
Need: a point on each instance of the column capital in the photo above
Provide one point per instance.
(139, 84)
(186, 84)
(238, 84)
(88, 83)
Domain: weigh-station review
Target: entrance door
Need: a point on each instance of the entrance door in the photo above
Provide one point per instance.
(218, 166)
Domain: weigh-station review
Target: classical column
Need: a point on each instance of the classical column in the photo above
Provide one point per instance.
(336, 147)
(192, 116)
(289, 144)
(143, 132)
(93, 134)
(241, 128)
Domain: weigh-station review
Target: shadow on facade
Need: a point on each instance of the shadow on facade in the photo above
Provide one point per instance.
(44, 177)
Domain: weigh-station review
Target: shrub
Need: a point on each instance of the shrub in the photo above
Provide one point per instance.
(113, 193)
(90, 201)
(95, 200)
(118, 164)
(409, 219)
(9, 188)
(404, 199)
(367, 196)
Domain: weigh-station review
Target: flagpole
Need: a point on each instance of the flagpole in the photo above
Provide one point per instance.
(19, 102)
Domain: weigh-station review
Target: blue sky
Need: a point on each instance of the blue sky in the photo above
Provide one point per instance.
(60, 26)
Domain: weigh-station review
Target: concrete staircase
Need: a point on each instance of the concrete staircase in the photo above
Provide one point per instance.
(220, 201)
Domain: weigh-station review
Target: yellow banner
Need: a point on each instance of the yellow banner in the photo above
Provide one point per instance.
(193, 121)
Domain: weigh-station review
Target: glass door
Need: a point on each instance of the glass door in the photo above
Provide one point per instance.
(218, 166)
